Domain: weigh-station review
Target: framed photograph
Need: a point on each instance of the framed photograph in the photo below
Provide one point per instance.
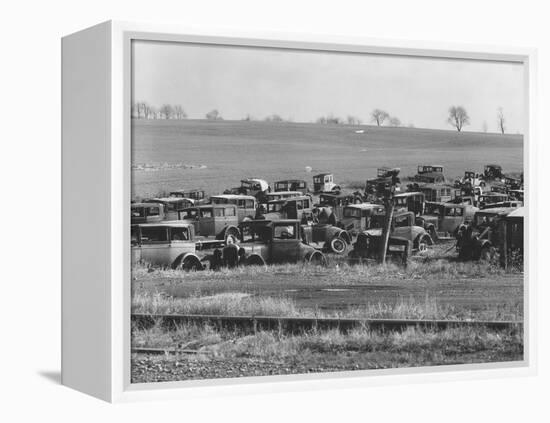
(271, 212)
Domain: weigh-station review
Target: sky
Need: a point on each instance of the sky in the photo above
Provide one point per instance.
(304, 85)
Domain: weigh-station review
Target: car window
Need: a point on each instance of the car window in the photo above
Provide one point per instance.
(206, 213)
(274, 207)
(229, 211)
(134, 235)
(352, 212)
(179, 234)
(153, 211)
(299, 205)
(401, 221)
(138, 212)
(249, 204)
(154, 234)
(218, 212)
(284, 232)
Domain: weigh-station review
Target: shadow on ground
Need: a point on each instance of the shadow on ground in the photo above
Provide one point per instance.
(53, 376)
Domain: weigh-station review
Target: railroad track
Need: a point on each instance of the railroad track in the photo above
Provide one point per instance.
(300, 324)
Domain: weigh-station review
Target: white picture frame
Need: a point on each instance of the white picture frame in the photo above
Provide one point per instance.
(96, 95)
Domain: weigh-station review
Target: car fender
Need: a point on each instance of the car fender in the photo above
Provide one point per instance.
(344, 235)
(229, 229)
(183, 257)
(422, 234)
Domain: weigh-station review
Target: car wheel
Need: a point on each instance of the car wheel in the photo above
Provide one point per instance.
(487, 253)
(318, 259)
(191, 264)
(338, 245)
(433, 233)
(254, 261)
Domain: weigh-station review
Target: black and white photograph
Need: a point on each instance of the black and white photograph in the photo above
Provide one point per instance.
(300, 211)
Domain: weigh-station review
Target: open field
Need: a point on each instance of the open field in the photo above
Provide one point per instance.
(215, 155)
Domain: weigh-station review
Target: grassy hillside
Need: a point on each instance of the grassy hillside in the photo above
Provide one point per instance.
(216, 155)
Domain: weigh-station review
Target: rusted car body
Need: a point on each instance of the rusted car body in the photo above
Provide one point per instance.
(271, 242)
(335, 203)
(431, 174)
(291, 185)
(324, 182)
(300, 208)
(492, 171)
(404, 226)
(367, 246)
(282, 195)
(511, 247)
(434, 192)
(165, 244)
(147, 213)
(492, 197)
(251, 186)
(442, 220)
(197, 195)
(481, 238)
(172, 205)
(410, 201)
(327, 237)
(356, 217)
(246, 204)
(218, 221)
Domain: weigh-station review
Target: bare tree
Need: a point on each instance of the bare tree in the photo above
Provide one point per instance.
(213, 115)
(458, 117)
(353, 120)
(394, 121)
(179, 113)
(500, 120)
(379, 116)
(274, 118)
(322, 120)
(485, 127)
(167, 111)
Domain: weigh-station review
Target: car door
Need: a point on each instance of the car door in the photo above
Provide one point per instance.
(155, 245)
(285, 243)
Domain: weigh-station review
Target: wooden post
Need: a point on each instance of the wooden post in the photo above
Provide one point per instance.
(505, 242)
(388, 203)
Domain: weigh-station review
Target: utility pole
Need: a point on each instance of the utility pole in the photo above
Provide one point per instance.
(387, 187)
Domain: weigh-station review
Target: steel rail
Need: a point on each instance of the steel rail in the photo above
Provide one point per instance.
(301, 324)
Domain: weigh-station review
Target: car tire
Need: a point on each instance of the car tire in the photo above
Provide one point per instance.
(191, 264)
(338, 245)
(318, 259)
(487, 253)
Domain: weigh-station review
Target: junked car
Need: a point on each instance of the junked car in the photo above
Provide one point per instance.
(147, 212)
(403, 226)
(165, 244)
(442, 220)
(410, 201)
(291, 185)
(271, 242)
(197, 195)
(246, 204)
(212, 221)
(356, 217)
(324, 182)
(172, 205)
(299, 207)
(282, 195)
(480, 239)
(251, 186)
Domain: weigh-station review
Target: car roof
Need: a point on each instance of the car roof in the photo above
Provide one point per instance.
(151, 204)
(363, 206)
(289, 180)
(209, 206)
(322, 174)
(519, 212)
(497, 210)
(408, 194)
(167, 199)
(274, 193)
(234, 196)
(335, 194)
(165, 224)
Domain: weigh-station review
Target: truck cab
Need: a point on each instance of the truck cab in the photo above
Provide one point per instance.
(324, 182)
(246, 204)
(299, 207)
(356, 217)
(441, 220)
(172, 205)
(291, 185)
(165, 244)
(217, 221)
(147, 213)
